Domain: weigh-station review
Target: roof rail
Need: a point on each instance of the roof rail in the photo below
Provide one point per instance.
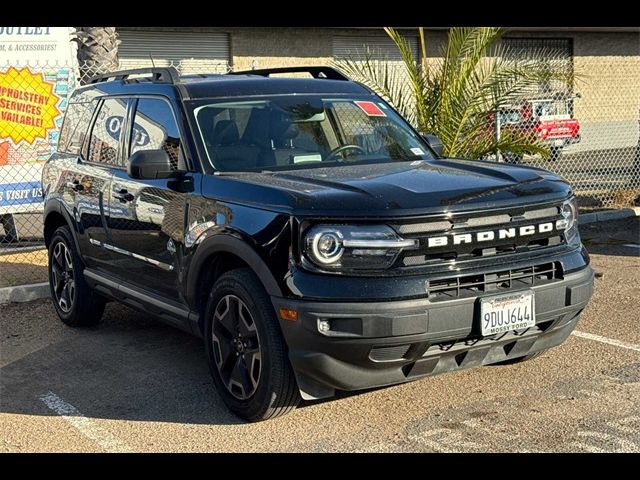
(316, 72)
(160, 74)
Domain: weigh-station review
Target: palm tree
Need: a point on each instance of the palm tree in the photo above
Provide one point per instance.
(97, 50)
(458, 97)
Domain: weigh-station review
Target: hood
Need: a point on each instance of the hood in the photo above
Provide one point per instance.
(401, 188)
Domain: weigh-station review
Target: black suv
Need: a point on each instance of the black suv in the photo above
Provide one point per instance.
(307, 232)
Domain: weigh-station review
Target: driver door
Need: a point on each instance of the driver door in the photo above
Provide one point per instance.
(147, 217)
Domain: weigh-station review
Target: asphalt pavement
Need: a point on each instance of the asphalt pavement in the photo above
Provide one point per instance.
(134, 384)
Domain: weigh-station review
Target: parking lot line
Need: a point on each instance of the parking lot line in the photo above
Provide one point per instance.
(609, 341)
(84, 425)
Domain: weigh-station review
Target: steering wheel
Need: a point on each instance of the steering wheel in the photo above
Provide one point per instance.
(343, 148)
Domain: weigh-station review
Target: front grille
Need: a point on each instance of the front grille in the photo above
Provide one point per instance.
(471, 225)
(471, 285)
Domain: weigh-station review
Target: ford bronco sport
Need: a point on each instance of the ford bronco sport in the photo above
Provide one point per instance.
(305, 231)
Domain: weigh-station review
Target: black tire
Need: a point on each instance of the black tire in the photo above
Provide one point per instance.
(555, 153)
(75, 302)
(513, 361)
(273, 391)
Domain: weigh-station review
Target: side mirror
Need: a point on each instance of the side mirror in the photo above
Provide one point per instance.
(150, 164)
(434, 142)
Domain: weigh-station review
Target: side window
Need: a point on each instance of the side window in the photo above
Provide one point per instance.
(105, 134)
(155, 128)
(75, 127)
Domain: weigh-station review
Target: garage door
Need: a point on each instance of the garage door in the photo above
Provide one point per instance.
(190, 52)
(556, 52)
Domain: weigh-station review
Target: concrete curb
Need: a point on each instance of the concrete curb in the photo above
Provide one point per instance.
(24, 293)
(609, 215)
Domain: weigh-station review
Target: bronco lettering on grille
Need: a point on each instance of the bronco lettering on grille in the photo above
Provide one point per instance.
(489, 235)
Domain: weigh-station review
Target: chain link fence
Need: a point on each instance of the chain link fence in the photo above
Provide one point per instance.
(33, 100)
(593, 133)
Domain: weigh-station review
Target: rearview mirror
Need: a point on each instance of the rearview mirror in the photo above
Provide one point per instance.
(151, 165)
(434, 142)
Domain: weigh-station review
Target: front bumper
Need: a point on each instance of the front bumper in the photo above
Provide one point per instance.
(383, 343)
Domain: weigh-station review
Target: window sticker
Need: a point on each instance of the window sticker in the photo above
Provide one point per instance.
(371, 109)
(417, 151)
(307, 158)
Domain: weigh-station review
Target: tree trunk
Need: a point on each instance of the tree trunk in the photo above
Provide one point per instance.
(97, 51)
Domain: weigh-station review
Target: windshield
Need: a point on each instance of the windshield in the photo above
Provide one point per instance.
(303, 131)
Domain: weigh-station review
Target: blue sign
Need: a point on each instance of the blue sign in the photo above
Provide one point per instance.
(20, 193)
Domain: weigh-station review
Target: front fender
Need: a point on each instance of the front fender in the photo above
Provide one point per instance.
(227, 243)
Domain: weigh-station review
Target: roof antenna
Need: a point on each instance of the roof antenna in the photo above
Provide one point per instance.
(153, 64)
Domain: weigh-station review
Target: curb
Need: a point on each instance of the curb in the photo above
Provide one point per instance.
(24, 293)
(608, 215)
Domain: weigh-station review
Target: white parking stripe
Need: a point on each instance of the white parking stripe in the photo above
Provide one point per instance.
(609, 341)
(84, 425)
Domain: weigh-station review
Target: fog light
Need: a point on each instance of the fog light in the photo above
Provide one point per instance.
(324, 326)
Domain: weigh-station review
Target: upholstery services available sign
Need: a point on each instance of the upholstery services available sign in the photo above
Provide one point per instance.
(37, 71)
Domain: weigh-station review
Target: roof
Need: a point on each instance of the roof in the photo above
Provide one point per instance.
(234, 84)
(254, 85)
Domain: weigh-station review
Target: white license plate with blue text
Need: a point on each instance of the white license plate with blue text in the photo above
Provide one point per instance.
(504, 313)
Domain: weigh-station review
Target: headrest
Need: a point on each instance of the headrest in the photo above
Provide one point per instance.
(225, 133)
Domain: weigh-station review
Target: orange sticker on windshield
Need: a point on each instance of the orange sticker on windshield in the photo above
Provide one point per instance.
(371, 109)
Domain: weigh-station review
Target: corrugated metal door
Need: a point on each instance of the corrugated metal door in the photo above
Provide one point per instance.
(380, 47)
(190, 52)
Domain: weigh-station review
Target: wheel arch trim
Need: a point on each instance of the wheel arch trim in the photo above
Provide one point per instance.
(226, 243)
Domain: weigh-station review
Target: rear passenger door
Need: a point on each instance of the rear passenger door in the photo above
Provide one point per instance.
(147, 217)
(92, 178)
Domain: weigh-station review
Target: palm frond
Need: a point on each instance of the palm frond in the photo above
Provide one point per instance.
(455, 98)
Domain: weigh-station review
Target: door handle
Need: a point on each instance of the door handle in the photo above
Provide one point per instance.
(123, 196)
(76, 186)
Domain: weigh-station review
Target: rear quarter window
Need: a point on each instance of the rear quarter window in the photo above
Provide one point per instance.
(75, 127)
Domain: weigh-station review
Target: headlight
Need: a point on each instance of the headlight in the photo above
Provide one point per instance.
(569, 220)
(363, 247)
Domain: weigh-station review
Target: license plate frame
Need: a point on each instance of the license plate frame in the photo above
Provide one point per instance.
(507, 312)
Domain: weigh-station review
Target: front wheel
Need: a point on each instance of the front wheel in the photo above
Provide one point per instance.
(245, 349)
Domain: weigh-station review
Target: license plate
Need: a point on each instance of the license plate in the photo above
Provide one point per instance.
(503, 313)
(558, 143)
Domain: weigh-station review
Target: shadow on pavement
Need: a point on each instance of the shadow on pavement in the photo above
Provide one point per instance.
(21, 271)
(130, 367)
(614, 237)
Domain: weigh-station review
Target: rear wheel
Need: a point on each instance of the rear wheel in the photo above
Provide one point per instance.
(246, 352)
(75, 303)
(555, 153)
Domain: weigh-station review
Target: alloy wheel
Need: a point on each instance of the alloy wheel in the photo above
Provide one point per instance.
(236, 347)
(64, 287)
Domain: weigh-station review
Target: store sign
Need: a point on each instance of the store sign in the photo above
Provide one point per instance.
(22, 45)
(28, 105)
(20, 193)
(37, 73)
